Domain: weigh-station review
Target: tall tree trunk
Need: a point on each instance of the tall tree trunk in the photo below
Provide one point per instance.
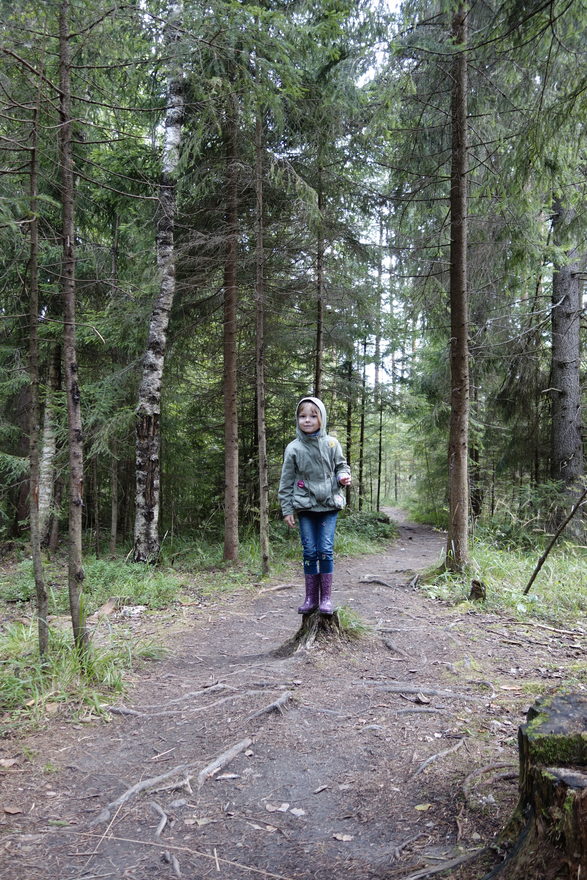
(34, 428)
(457, 551)
(260, 352)
(377, 384)
(148, 418)
(362, 427)
(231, 544)
(113, 503)
(349, 422)
(567, 464)
(319, 356)
(49, 448)
(74, 419)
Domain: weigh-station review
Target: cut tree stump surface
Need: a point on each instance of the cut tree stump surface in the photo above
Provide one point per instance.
(364, 762)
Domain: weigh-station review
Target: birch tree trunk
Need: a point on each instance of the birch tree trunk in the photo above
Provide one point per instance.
(319, 358)
(34, 427)
(74, 419)
(362, 427)
(49, 449)
(148, 418)
(567, 464)
(457, 550)
(260, 352)
(231, 457)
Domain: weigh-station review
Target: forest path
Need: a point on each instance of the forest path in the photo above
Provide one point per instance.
(363, 773)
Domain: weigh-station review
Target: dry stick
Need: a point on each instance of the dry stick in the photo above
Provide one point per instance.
(432, 758)
(280, 587)
(276, 706)
(187, 849)
(555, 538)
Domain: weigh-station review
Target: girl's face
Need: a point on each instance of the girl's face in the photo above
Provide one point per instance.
(308, 418)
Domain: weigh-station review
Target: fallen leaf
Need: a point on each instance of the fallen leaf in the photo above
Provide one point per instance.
(420, 698)
(12, 811)
(51, 708)
(423, 807)
(344, 837)
(297, 811)
(7, 763)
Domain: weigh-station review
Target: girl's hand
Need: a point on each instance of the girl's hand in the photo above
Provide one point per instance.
(290, 520)
(345, 480)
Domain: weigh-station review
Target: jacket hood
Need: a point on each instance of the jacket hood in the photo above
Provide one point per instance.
(321, 409)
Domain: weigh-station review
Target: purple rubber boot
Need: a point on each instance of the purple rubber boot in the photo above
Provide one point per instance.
(325, 594)
(312, 593)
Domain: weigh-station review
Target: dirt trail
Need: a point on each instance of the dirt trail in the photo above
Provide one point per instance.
(337, 783)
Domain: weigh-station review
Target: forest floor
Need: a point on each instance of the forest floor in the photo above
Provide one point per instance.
(393, 754)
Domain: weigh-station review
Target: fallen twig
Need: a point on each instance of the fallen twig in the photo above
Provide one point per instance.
(279, 587)
(435, 757)
(222, 760)
(186, 849)
(276, 706)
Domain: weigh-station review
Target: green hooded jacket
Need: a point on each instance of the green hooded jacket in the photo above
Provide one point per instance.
(311, 467)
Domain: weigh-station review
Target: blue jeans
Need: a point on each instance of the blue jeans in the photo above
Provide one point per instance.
(317, 536)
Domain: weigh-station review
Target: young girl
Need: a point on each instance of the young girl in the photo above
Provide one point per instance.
(313, 474)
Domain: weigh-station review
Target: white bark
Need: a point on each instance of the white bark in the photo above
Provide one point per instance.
(148, 467)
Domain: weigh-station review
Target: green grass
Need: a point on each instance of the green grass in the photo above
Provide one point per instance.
(558, 594)
(32, 689)
(134, 584)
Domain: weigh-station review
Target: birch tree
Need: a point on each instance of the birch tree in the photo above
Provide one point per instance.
(148, 418)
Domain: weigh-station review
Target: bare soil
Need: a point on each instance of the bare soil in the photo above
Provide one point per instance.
(391, 755)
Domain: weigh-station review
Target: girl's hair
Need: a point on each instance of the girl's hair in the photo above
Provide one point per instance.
(313, 405)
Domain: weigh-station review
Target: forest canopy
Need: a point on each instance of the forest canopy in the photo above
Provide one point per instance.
(209, 211)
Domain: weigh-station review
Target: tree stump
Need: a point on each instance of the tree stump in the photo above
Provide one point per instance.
(553, 790)
(316, 627)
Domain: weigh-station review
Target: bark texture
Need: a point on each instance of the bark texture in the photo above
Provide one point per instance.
(552, 810)
(34, 425)
(74, 418)
(148, 419)
(458, 527)
(260, 353)
(567, 464)
(48, 449)
(231, 457)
